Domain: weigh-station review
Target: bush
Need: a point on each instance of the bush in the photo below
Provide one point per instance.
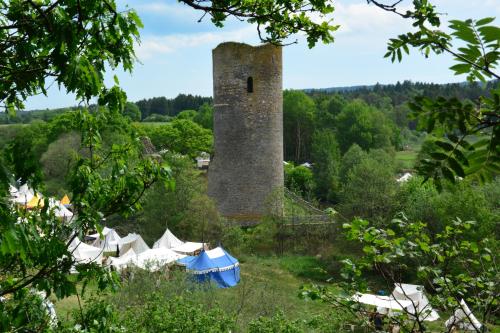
(177, 314)
(97, 316)
(300, 180)
(275, 324)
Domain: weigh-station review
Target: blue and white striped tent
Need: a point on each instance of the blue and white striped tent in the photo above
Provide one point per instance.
(215, 265)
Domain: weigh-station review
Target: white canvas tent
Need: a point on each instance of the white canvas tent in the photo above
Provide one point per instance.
(13, 191)
(23, 195)
(168, 241)
(151, 259)
(420, 303)
(110, 241)
(189, 248)
(60, 210)
(132, 241)
(84, 253)
(121, 262)
(464, 319)
(154, 259)
(404, 178)
(386, 302)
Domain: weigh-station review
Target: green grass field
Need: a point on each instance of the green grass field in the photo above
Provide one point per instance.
(406, 159)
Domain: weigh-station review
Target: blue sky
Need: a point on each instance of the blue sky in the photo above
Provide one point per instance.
(175, 51)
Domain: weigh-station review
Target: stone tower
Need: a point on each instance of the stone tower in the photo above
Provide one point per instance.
(248, 130)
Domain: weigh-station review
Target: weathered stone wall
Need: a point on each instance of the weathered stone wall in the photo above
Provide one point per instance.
(247, 165)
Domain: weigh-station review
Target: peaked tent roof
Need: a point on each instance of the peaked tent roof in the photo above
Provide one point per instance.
(216, 265)
(464, 318)
(109, 242)
(132, 241)
(23, 195)
(415, 293)
(59, 209)
(83, 253)
(167, 240)
(212, 261)
(65, 200)
(36, 201)
(13, 191)
(25, 190)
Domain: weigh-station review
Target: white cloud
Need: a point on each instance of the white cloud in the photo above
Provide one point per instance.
(363, 18)
(156, 45)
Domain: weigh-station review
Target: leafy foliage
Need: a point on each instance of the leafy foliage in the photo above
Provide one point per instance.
(455, 266)
(177, 314)
(279, 19)
(182, 136)
(65, 41)
(456, 123)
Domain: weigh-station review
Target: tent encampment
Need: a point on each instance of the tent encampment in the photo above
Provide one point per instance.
(132, 241)
(464, 319)
(169, 241)
(151, 259)
(215, 265)
(420, 304)
(109, 242)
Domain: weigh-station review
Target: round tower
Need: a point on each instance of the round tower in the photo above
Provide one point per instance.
(247, 165)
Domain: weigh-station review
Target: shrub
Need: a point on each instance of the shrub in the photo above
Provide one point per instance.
(177, 314)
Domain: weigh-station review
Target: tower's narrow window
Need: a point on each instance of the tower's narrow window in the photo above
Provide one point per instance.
(250, 84)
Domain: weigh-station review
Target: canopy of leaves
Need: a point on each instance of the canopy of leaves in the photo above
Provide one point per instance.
(278, 18)
(475, 46)
(64, 41)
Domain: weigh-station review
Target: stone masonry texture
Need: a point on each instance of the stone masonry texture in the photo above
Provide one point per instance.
(247, 165)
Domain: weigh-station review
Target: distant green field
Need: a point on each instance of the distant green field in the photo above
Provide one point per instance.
(406, 159)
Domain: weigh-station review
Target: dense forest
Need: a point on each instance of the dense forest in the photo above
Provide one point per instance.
(343, 148)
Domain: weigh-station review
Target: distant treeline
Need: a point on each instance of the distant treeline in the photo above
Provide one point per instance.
(170, 107)
(401, 92)
(163, 109)
(152, 109)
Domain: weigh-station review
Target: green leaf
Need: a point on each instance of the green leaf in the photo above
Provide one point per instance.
(484, 21)
(445, 145)
(448, 174)
(489, 33)
(438, 156)
(461, 68)
(456, 167)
